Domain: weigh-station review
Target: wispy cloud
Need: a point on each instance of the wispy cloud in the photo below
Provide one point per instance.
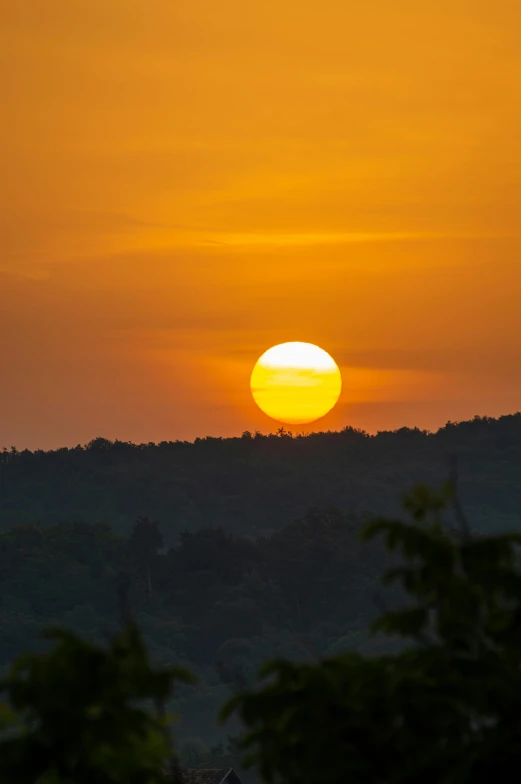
(248, 239)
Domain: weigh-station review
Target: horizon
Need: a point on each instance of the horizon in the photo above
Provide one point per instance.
(282, 431)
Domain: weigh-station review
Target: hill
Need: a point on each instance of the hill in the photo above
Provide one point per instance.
(256, 553)
(257, 483)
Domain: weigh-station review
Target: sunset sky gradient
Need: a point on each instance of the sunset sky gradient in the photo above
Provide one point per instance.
(188, 183)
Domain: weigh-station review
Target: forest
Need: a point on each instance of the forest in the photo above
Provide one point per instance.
(217, 603)
(256, 484)
(227, 552)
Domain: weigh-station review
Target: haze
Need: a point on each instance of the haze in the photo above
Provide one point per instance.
(186, 184)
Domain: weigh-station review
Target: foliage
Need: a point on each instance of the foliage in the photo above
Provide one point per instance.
(216, 596)
(445, 708)
(262, 557)
(80, 713)
(255, 485)
(221, 603)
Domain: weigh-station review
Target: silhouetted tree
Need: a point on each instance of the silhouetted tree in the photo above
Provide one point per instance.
(78, 713)
(442, 710)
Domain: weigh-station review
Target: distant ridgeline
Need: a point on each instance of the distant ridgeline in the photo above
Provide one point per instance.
(256, 484)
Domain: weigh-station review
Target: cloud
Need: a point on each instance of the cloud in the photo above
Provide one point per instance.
(245, 239)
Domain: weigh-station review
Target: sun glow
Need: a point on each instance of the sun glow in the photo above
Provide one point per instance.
(296, 383)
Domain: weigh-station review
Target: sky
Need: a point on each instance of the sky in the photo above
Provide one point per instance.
(185, 184)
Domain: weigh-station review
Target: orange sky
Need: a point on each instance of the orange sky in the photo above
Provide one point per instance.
(186, 183)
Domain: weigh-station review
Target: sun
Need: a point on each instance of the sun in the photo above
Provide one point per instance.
(296, 383)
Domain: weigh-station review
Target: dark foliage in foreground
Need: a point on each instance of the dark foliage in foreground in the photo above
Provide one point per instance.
(83, 713)
(443, 710)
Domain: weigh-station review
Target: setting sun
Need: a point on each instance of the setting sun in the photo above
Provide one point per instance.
(296, 383)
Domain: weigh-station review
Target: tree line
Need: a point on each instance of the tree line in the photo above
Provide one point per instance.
(255, 484)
